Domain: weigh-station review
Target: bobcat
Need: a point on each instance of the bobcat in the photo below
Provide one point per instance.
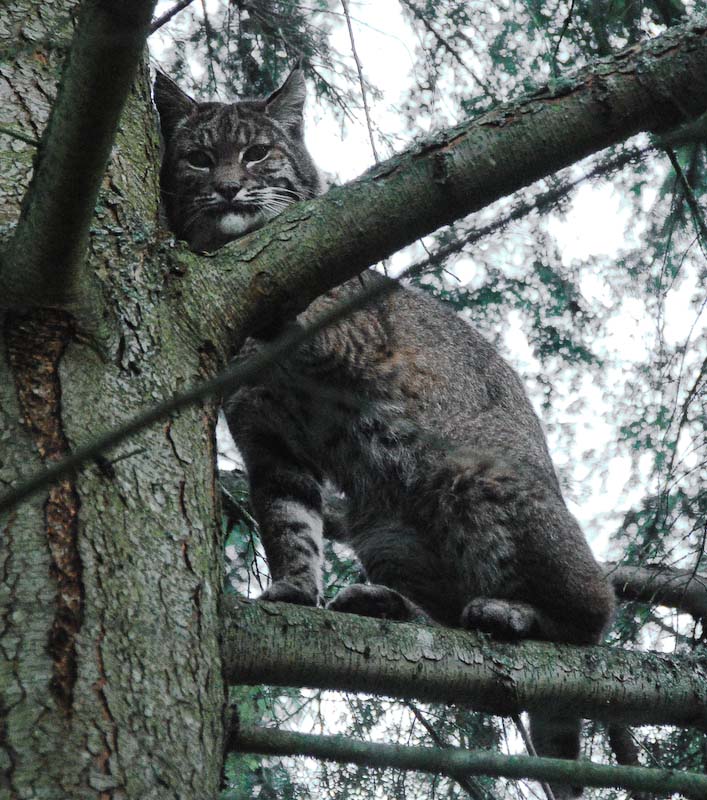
(452, 502)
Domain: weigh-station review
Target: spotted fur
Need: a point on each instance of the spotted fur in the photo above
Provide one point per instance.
(229, 168)
(451, 499)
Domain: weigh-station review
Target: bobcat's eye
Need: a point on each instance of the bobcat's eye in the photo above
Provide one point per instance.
(256, 152)
(199, 159)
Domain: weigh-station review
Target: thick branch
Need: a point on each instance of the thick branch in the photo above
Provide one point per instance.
(43, 261)
(456, 762)
(681, 589)
(264, 642)
(316, 245)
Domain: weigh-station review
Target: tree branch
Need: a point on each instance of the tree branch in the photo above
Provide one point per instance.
(167, 16)
(314, 246)
(6, 130)
(456, 761)
(361, 80)
(43, 261)
(680, 589)
(264, 642)
(465, 782)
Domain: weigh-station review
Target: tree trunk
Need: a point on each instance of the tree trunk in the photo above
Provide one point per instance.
(110, 677)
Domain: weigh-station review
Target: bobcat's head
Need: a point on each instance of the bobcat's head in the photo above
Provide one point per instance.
(229, 168)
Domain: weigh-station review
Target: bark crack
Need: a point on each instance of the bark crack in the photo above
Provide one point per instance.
(7, 776)
(35, 344)
(168, 433)
(102, 759)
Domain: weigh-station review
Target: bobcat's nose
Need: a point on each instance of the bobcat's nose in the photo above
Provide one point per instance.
(228, 190)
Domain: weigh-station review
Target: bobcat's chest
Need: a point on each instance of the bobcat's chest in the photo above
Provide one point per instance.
(358, 442)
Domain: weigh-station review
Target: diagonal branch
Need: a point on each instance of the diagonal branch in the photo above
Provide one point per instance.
(167, 16)
(224, 382)
(465, 782)
(361, 80)
(446, 45)
(44, 259)
(319, 244)
(6, 130)
(457, 762)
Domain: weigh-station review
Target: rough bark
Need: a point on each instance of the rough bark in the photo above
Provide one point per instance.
(42, 264)
(110, 679)
(263, 643)
(457, 762)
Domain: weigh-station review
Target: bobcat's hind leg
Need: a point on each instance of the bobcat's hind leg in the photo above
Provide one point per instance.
(553, 736)
(513, 620)
(373, 600)
(557, 737)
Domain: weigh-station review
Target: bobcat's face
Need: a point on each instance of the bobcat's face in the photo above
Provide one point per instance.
(229, 168)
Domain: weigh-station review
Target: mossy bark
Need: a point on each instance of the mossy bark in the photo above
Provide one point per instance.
(110, 677)
(264, 642)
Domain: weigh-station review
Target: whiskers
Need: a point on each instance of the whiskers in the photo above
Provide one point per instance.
(253, 205)
(272, 199)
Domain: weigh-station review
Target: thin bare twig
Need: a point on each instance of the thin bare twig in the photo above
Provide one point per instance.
(565, 25)
(167, 16)
(210, 34)
(15, 134)
(697, 212)
(447, 46)
(692, 392)
(362, 82)
(468, 784)
(530, 747)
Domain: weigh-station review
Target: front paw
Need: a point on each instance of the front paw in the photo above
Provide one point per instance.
(286, 592)
(370, 600)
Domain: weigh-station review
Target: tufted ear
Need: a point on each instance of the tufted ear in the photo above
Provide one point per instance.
(286, 104)
(172, 103)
